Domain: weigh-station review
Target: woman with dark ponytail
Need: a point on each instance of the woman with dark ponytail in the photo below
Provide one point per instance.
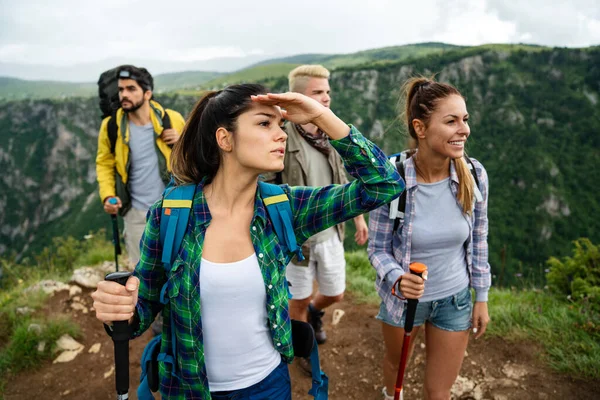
(445, 227)
(227, 292)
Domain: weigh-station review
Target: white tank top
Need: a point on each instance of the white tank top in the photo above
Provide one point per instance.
(238, 349)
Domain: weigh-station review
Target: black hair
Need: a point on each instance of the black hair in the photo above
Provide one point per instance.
(197, 154)
(138, 74)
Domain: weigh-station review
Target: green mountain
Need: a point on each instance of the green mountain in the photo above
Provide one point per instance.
(267, 73)
(16, 89)
(271, 71)
(535, 125)
(392, 53)
(20, 89)
(177, 80)
(192, 82)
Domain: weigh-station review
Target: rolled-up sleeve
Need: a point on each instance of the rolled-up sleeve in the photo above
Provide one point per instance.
(377, 183)
(380, 247)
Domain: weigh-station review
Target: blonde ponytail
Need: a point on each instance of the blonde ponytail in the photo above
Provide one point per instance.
(465, 187)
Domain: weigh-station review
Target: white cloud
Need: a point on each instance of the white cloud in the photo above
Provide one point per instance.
(207, 53)
(64, 32)
(467, 22)
(12, 50)
(557, 23)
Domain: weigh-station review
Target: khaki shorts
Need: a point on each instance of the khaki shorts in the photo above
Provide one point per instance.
(135, 223)
(327, 265)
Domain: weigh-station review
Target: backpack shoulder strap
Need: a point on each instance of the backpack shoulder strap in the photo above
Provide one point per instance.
(176, 207)
(320, 381)
(149, 375)
(477, 190)
(280, 214)
(398, 205)
(113, 131)
(166, 120)
(401, 199)
(163, 117)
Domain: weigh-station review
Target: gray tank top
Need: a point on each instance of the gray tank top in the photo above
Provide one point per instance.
(439, 232)
(145, 184)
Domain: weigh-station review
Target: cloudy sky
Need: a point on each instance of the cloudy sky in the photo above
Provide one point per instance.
(67, 32)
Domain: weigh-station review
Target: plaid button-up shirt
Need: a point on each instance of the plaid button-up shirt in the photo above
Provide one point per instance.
(390, 254)
(314, 209)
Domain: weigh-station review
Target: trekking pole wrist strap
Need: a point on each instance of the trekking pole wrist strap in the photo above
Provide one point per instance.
(397, 292)
(132, 327)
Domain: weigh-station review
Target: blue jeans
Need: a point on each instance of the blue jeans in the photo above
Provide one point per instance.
(452, 313)
(276, 386)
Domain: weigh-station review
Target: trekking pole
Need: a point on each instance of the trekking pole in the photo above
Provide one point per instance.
(116, 238)
(120, 336)
(416, 269)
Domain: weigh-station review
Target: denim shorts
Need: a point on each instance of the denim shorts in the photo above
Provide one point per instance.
(276, 386)
(452, 313)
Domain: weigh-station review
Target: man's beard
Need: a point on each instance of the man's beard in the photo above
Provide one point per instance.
(134, 107)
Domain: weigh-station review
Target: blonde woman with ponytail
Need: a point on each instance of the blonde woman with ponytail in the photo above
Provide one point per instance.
(445, 227)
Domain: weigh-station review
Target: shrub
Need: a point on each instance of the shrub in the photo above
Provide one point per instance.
(577, 277)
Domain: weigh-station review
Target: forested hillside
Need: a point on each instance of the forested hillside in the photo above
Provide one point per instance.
(535, 126)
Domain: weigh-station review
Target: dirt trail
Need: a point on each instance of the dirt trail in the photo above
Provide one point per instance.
(493, 368)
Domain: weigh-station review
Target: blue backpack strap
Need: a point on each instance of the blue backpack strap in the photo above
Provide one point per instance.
(320, 381)
(144, 391)
(175, 215)
(280, 214)
(176, 207)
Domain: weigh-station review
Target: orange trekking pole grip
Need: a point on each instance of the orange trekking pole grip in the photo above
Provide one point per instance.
(416, 269)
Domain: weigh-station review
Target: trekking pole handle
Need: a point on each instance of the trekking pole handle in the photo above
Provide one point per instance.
(417, 269)
(117, 332)
(120, 337)
(119, 277)
(113, 201)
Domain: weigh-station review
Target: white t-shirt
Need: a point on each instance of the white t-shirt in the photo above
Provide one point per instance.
(238, 349)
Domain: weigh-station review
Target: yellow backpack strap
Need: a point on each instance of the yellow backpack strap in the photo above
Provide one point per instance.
(275, 199)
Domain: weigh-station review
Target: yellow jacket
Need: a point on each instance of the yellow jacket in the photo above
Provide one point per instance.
(112, 169)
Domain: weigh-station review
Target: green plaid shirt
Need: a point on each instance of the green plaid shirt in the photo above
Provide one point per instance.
(314, 210)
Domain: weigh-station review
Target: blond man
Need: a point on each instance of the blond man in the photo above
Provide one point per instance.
(310, 160)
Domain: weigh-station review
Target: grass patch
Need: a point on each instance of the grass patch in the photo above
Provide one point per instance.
(20, 335)
(568, 332)
(360, 277)
(58, 260)
(99, 251)
(22, 352)
(22, 330)
(10, 302)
